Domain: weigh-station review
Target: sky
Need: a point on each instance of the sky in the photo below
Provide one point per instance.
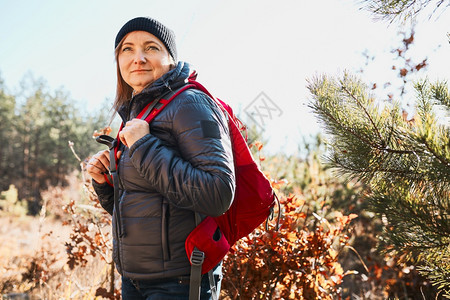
(252, 54)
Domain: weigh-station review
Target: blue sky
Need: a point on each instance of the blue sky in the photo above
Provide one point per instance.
(240, 49)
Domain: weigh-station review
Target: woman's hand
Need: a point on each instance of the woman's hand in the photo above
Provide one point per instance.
(133, 131)
(98, 165)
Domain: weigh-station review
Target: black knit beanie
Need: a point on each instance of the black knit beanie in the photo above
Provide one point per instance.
(164, 34)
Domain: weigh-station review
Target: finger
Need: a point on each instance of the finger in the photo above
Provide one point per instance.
(101, 159)
(139, 122)
(135, 122)
(119, 154)
(94, 170)
(129, 123)
(98, 177)
(104, 158)
(98, 167)
(122, 138)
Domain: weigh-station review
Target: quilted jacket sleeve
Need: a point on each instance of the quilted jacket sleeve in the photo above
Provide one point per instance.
(105, 194)
(199, 174)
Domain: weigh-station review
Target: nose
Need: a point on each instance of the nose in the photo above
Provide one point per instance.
(139, 58)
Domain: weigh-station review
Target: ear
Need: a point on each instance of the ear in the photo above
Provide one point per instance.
(172, 62)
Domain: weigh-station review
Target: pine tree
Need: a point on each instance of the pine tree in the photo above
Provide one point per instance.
(404, 162)
(7, 106)
(403, 9)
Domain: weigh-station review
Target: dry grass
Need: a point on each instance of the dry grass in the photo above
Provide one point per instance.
(33, 258)
(33, 261)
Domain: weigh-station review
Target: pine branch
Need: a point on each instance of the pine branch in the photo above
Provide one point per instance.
(345, 128)
(421, 214)
(391, 130)
(321, 111)
(443, 160)
(441, 94)
(337, 163)
(365, 112)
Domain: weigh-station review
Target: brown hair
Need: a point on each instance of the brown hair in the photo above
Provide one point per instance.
(123, 90)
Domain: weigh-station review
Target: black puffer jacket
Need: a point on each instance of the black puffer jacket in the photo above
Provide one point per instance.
(184, 165)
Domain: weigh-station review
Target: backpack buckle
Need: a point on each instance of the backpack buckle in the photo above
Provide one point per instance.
(107, 140)
(197, 257)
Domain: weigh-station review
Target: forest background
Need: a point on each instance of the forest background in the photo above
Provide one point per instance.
(329, 245)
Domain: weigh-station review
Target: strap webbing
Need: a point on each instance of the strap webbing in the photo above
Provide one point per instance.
(115, 177)
(196, 270)
(197, 258)
(149, 108)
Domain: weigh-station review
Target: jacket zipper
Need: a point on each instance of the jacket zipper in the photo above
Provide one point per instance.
(165, 231)
(119, 221)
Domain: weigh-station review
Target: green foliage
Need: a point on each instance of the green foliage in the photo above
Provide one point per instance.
(7, 106)
(405, 163)
(35, 128)
(10, 203)
(402, 9)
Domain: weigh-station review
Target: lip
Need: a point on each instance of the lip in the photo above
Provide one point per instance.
(140, 71)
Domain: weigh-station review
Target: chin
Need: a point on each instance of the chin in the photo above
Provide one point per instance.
(141, 85)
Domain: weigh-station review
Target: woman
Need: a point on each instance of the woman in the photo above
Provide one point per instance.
(179, 165)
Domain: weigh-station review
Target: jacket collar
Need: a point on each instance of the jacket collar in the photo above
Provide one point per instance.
(172, 80)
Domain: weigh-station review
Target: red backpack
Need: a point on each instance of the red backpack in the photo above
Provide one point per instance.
(253, 201)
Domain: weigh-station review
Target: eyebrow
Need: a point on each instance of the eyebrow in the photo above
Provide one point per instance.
(145, 43)
(152, 42)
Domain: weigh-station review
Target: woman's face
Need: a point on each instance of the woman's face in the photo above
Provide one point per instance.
(142, 59)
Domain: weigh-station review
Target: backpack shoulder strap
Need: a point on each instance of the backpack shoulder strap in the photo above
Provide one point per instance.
(155, 107)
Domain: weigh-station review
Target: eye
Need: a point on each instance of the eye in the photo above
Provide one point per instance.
(152, 48)
(126, 49)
